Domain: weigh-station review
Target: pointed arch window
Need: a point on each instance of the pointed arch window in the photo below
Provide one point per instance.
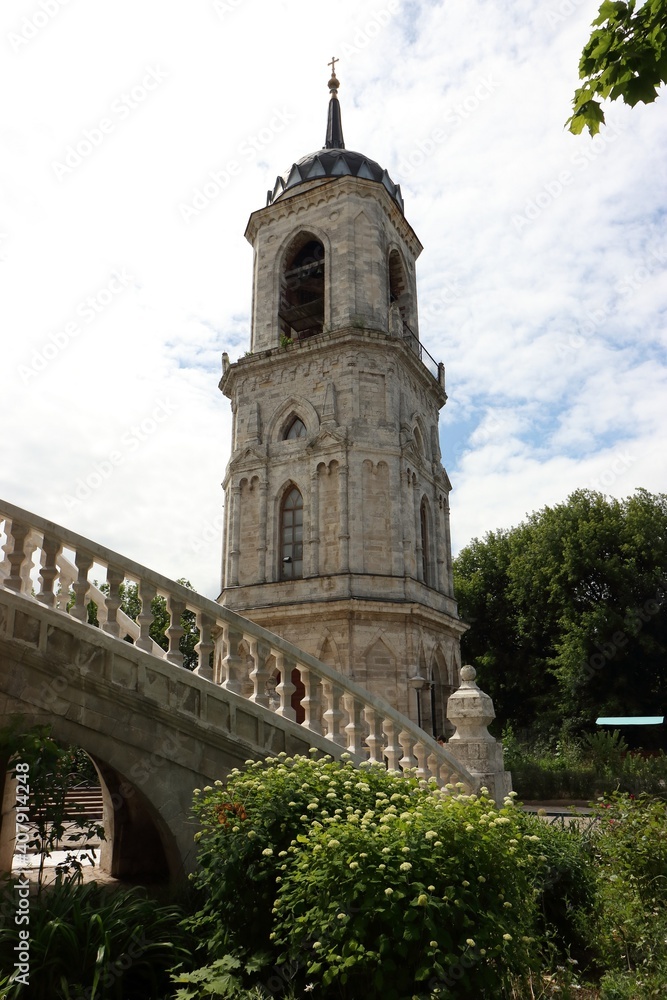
(295, 429)
(398, 287)
(301, 311)
(291, 536)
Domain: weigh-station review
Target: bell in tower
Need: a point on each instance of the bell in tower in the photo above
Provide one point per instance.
(336, 532)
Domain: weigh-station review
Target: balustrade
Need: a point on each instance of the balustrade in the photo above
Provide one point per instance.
(231, 652)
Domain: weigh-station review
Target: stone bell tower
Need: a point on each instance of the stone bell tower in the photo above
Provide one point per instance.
(336, 530)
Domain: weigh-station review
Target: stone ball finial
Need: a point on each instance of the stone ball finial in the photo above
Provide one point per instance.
(468, 673)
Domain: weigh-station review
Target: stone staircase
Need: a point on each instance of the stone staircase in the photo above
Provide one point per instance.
(45, 563)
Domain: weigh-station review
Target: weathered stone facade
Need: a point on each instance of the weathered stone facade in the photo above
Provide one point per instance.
(334, 347)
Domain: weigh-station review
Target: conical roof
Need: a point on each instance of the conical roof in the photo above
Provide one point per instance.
(333, 160)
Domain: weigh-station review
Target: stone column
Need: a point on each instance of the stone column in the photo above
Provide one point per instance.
(449, 569)
(396, 514)
(236, 536)
(419, 570)
(261, 548)
(314, 540)
(344, 521)
(471, 711)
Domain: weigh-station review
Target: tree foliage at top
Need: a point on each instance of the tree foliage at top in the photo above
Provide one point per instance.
(566, 611)
(626, 57)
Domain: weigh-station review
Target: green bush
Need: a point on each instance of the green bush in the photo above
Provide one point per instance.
(93, 942)
(363, 883)
(569, 768)
(628, 928)
(566, 886)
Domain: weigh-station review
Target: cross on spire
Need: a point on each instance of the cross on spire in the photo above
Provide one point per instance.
(333, 65)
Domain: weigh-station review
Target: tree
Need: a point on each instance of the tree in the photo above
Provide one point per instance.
(626, 57)
(566, 611)
(131, 605)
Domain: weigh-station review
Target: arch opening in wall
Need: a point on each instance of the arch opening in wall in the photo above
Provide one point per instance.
(295, 429)
(106, 816)
(398, 288)
(291, 535)
(301, 310)
(441, 689)
(419, 442)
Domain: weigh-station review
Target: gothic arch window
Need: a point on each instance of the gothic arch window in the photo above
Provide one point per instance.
(424, 521)
(419, 441)
(398, 287)
(291, 535)
(295, 429)
(301, 311)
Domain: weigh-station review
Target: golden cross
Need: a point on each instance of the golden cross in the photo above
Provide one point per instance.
(333, 65)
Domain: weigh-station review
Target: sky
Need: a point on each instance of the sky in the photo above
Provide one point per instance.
(137, 138)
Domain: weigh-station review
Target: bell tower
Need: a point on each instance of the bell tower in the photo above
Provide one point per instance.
(336, 532)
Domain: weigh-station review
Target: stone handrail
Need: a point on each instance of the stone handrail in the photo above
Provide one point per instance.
(232, 651)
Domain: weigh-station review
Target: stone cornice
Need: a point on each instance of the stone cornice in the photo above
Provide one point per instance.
(318, 192)
(332, 343)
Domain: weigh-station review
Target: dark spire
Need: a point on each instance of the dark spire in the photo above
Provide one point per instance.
(334, 124)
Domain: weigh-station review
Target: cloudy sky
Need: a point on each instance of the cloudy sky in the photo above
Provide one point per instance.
(541, 283)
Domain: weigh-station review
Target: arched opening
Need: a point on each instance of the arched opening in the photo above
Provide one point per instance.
(440, 691)
(291, 535)
(78, 811)
(301, 311)
(398, 287)
(419, 442)
(295, 429)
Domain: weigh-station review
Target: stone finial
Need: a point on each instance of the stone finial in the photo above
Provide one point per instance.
(471, 711)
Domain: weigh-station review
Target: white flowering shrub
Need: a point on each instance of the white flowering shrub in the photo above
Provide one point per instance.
(365, 883)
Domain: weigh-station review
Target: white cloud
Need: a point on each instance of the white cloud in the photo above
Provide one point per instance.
(552, 331)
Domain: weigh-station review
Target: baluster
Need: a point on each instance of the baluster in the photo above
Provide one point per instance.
(408, 760)
(147, 594)
(285, 688)
(112, 601)
(17, 555)
(374, 740)
(421, 753)
(259, 675)
(393, 750)
(175, 631)
(66, 578)
(312, 700)
(49, 570)
(355, 727)
(204, 647)
(433, 764)
(81, 586)
(333, 716)
(234, 667)
(218, 654)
